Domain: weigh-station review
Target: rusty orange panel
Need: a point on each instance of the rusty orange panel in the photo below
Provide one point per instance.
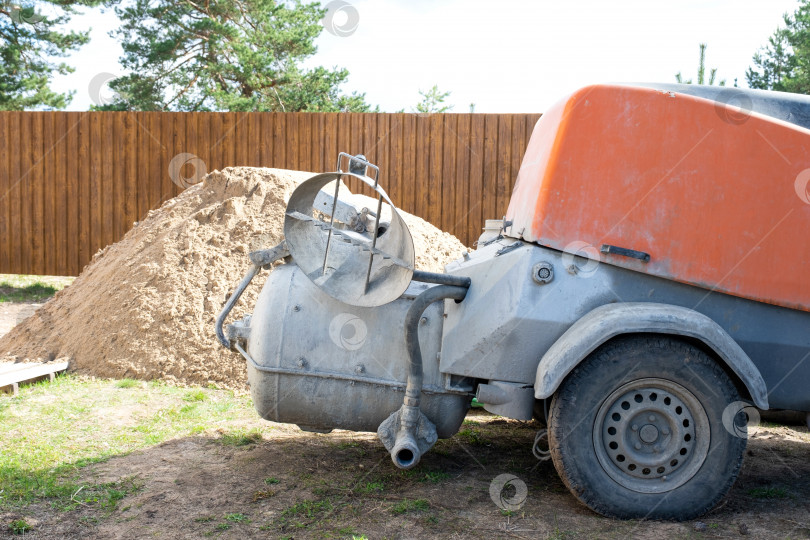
(718, 200)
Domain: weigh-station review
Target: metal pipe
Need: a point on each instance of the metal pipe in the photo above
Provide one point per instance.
(412, 318)
(441, 279)
(251, 273)
(406, 451)
(259, 260)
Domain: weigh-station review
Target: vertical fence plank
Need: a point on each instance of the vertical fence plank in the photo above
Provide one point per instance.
(109, 178)
(330, 141)
(448, 181)
(490, 192)
(476, 193)
(5, 194)
(83, 132)
(118, 174)
(515, 151)
(421, 201)
(409, 158)
(36, 183)
(57, 175)
(504, 164)
(72, 200)
(241, 144)
(254, 140)
(304, 142)
(293, 139)
(318, 160)
(15, 160)
(395, 157)
(461, 210)
(382, 154)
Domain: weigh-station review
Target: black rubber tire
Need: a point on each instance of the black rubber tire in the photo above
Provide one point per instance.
(573, 413)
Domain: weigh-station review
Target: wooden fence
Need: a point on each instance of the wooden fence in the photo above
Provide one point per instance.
(74, 182)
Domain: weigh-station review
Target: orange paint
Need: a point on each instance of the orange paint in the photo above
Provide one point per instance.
(712, 196)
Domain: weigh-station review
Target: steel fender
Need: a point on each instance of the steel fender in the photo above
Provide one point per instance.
(611, 320)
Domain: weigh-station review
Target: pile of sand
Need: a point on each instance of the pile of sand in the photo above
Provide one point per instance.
(145, 306)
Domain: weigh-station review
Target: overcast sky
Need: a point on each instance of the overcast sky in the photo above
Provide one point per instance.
(505, 56)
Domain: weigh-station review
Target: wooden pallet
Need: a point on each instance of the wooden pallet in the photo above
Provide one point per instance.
(11, 375)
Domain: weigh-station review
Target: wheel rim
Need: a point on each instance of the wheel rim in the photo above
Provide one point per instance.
(651, 435)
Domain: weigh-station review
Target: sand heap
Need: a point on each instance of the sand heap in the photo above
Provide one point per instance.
(145, 306)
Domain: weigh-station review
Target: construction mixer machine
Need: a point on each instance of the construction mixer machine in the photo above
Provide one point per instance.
(645, 291)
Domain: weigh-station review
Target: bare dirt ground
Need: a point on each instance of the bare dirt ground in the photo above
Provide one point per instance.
(343, 485)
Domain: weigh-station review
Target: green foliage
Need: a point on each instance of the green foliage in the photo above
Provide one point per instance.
(433, 101)
(31, 36)
(241, 438)
(19, 526)
(22, 288)
(784, 63)
(222, 55)
(45, 443)
(769, 493)
(195, 395)
(435, 476)
(701, 74)
(407, 506)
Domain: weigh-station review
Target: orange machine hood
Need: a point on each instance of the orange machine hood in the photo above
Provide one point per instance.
(718, 197)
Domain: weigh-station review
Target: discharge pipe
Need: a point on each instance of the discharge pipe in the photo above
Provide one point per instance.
(416, 434)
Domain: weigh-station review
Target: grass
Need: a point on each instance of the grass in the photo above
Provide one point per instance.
(19, 526)
(23, 288)
(435, 476)
(305, 513)
(407, 506)
(769, 493)
(50, 432)
(470, 436)
(242, 438)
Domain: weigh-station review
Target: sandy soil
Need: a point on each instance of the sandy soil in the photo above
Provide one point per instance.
(339, 484)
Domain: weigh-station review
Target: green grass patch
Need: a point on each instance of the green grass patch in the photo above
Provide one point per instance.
(51, 431)
(23, 288)
(127, 383)
(769, 493)
(470, 436)
(371, 487)
(241, 438)
(305, 513)
(435, 476)
(195, 395)
(19, 526)
(408, 506)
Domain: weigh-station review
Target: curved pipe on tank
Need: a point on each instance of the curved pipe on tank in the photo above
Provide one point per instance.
(406, 451)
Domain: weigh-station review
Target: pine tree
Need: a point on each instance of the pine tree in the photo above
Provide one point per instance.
(30, 37)
(224, 55)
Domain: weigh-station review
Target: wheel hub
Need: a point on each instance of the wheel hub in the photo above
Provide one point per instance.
(651, 435)
(648, 434)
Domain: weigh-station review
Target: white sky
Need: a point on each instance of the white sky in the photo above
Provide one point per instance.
(505, 56)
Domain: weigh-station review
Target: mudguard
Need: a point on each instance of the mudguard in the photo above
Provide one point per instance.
(610, 320)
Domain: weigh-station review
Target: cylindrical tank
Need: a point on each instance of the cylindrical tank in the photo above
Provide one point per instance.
(322, 364)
